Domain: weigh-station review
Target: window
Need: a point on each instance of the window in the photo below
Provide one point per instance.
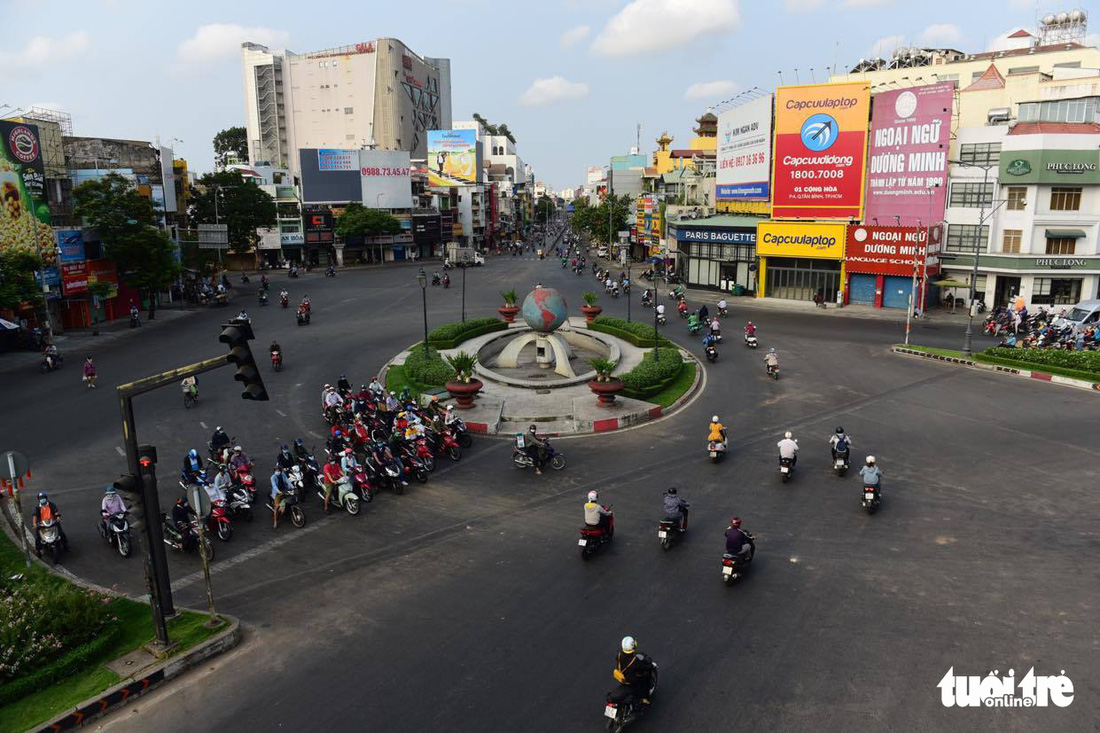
(1010, 241)
(348, 110)
(1085, 109)
(971, 195)
(1061, 245)
(1017, 198)
(966, 238)
(1065, 199)
(976, 75)
(1022, 70)
(980, 153)
(1056, 291)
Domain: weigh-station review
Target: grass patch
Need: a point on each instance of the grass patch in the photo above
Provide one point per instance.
(634, 332)
(450, 335)
(652, 376)
(397, 379)
(1043, 368)
(676, 389)
(932, 350)
(430, 370)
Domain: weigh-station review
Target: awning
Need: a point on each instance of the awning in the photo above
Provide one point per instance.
(1065, 234)
(7, 325)
(950, 284)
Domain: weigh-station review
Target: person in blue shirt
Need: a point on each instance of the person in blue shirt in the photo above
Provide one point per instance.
(279, 487)
(872, 474)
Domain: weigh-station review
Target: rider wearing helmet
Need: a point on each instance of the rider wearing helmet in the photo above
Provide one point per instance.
(45, 511)
(771, 359)
(535, 447)
(675, 508)
(182, 513)
(219, 441)
(595, 515)
(839, 442)
(788, 448)
(633, 671)
(343, 386)
(285, 460)
(112, 503)
(192, 465)
(717, 430)
(739, 542)
(872, 474)
(750, 330)
(239, 460)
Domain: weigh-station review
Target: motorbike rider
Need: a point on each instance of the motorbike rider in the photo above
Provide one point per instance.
(634, 670)
(111, 505)
(239, 461)
(678, 292)
(51, 355)
(595, 515)
(284, 296)
(717, 430)
(279, 486)
(190, 385)
(771, 360)
(348, 463)
(693, 323)
(275, 347)
(218, 489)
(750, 330)
(337, 443)
(739, 543)
(837, 439)
(376, 388)
(715, 326)
(704, 313)
(872, 474)
(788, 448)
(300, 450)
(332, 475)
(133, 311)
(243, 316)
(285, 459)
(709, 340)
(675, 507)
(192, 466)
(45, 511)
(219, 441)
(536, 448)
(262, 294)
(722, 306)
(181, 514)
(343, 385)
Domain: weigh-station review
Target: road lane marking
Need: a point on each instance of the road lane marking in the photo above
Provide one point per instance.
(203, 425)
(281, 412)
(118, 449)
(315, 434)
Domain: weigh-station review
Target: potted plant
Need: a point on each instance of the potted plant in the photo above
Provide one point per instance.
(590, 309)
(464, 387)
(509, 310)
(605, 386)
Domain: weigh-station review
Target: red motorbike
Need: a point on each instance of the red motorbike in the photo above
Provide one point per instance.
(276, 360)
(243, 476)
(361, 484)
(424, 453)
(593, 538)
(218, 521)
(450, 445)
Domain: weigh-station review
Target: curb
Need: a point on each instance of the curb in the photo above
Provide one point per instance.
(132, 688)
(1026, 374)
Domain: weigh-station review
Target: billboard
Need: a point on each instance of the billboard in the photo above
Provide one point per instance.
(327, 186)
(319, 226)
(452, 157)
(800, 239)
(74, 278)
(743, 167)
(71, 244)
(385, 179)
(24, 213)
(892, 250)
(820, 144)
(1050, 167)
(907, 154)
(336, 160)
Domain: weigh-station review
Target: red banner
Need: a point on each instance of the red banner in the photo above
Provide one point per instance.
(892, 250)
(74, 279)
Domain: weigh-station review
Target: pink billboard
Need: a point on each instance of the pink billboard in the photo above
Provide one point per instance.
(907, 155)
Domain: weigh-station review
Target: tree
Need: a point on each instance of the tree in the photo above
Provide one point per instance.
(501, 129)
(230, 141)
(544, 208)
(227, 198)
(359, 221)
(127, 224)
(17, 283)
(597, 223)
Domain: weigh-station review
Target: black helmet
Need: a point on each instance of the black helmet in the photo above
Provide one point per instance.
(285, 448)
(672, 491)
(298, 441)
(839, 430)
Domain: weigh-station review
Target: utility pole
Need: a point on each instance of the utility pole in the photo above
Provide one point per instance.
(42, 276)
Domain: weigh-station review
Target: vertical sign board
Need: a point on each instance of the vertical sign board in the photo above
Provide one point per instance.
(820, 145)
(744, 152)
(24, 213)
(385, 179)
(452, 157)
(907, 155)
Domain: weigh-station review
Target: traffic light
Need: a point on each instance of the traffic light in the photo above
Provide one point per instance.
(237, 334)
(129, 487)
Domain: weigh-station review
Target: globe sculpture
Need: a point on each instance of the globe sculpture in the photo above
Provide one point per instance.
(544, 310)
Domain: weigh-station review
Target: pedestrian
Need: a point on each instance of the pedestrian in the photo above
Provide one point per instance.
(89, 372)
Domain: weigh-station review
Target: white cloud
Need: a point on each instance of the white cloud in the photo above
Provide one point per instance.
(940, 34)
(574, 36)
(711, 89)
(658, 25)
(885, 46)
(47, 50)
(801, 6)
(222, 41)
(865, 3)
(1002, 42)
(552, 90)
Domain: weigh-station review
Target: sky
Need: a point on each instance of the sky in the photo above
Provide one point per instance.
(572, 78)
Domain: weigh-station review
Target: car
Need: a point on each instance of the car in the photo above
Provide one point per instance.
(1086, 313)
(601, 252)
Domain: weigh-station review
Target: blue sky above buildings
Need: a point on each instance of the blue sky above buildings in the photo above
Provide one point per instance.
(572, 78)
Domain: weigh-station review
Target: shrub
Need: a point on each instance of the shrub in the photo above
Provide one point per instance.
(450, 335)
(637, 333)
(430, 370)
(1082, 361)
(509, 296)
(590, 298)
(603, 368)
(652, 375)
(463, 365)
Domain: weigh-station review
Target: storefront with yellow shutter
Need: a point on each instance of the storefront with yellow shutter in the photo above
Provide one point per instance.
(798, 259)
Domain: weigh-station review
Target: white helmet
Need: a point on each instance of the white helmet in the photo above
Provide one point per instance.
(592, 496)
(870, 460)
(787, 435)
(714, 418)
(629, 645)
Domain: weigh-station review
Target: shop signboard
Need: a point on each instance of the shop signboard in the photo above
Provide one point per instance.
(800, 239)
(892, 250)
(907, 154)
(74, 279)
(743, 164)
(820, 145)
(726, 235)
(452, 157)
(24, 215)
(1050, 167)
(71, 244)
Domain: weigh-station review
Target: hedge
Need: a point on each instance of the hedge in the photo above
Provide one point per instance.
(635, 332)
(450, 335)
(431, 370)
(652, 375)
(69, 664)
(1080, 361)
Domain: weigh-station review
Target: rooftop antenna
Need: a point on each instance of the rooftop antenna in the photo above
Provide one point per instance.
(796, 79)
(812, 77)
(780, 77)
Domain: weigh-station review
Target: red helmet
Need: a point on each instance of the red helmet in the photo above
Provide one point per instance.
(736, 522)
(347, 451)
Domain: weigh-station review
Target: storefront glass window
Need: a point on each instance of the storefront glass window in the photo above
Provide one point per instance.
(1056, 291)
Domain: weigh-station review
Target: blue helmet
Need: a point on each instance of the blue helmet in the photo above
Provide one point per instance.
(193, 453)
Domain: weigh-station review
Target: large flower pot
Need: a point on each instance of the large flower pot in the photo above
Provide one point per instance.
(508, 312)
(605, 391)
(590, 312)
(464, 392)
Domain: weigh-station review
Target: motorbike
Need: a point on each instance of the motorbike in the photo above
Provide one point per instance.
(49, 533)
(303, 317)
(344, 495)
(284, 301)
(245, 478)
(712, 353)
(450, 445)
(872, 499)
(716, 449)
(840, 461)
(647, 301)
(436, 280)
(115, 529)
(244, 278)
(682, 310)
(239, 502)
(389, 474)
(186, 538)
(786, 469)
(593, 538)
(668, 530)
(446, 282)
(190, 398)
(308, 469)
(277, 360)
(673, 295)
(462, 433)
(135, 321)
(293, 272)
(410, 457)
(717, 335)
(723, 312)
(621, 707)
(734, 566)
(773, 372)
(290, 504)
(263, 297)
(360, 484)
(330, 271)
(218, 520)
(555, 460)
(50, 363)
(750, 341)
(221, 299)
(661, 319)
(694, 328)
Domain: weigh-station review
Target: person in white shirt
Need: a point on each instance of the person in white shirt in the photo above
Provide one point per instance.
(788, 448)
(218, 488)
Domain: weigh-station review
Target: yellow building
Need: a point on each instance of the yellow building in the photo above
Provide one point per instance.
(704, 145)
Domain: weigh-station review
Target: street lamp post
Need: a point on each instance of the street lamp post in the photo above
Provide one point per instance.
(465, 266)
(969, 336)
(422, 280)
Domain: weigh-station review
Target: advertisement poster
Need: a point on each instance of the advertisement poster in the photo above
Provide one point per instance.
(452, 157)
(329, 159)
(71, 244)
(820, 141)
(385, 179)
(744, 161)
(907, 154)
(892, 250)
(800, 239)
(24, 213)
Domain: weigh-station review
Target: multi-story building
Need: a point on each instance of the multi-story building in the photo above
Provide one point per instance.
(377, 94)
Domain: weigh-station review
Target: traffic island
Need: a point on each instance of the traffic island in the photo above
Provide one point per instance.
(995, 364)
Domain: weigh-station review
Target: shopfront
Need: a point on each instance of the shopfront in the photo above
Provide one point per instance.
(880, 262)
(1051, 282)
(716, 253)
(798, 260)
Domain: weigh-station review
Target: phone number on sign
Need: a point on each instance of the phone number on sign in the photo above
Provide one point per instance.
(743, 160)
(819, 175)
(383, 171)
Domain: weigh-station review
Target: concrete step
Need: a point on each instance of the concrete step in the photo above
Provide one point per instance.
(548, 427)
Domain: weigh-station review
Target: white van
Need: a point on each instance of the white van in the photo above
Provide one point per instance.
(1086, 313)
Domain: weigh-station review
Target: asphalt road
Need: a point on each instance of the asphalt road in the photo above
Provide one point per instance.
(464, 605)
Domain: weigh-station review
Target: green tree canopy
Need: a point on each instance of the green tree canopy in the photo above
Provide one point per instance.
(359, 221)
(597, 223)
(501, 129)
(17, 283)
(544, 208)
(227, 198)
(230, 141)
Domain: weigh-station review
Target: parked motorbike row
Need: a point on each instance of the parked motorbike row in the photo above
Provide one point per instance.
(1039, 330)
